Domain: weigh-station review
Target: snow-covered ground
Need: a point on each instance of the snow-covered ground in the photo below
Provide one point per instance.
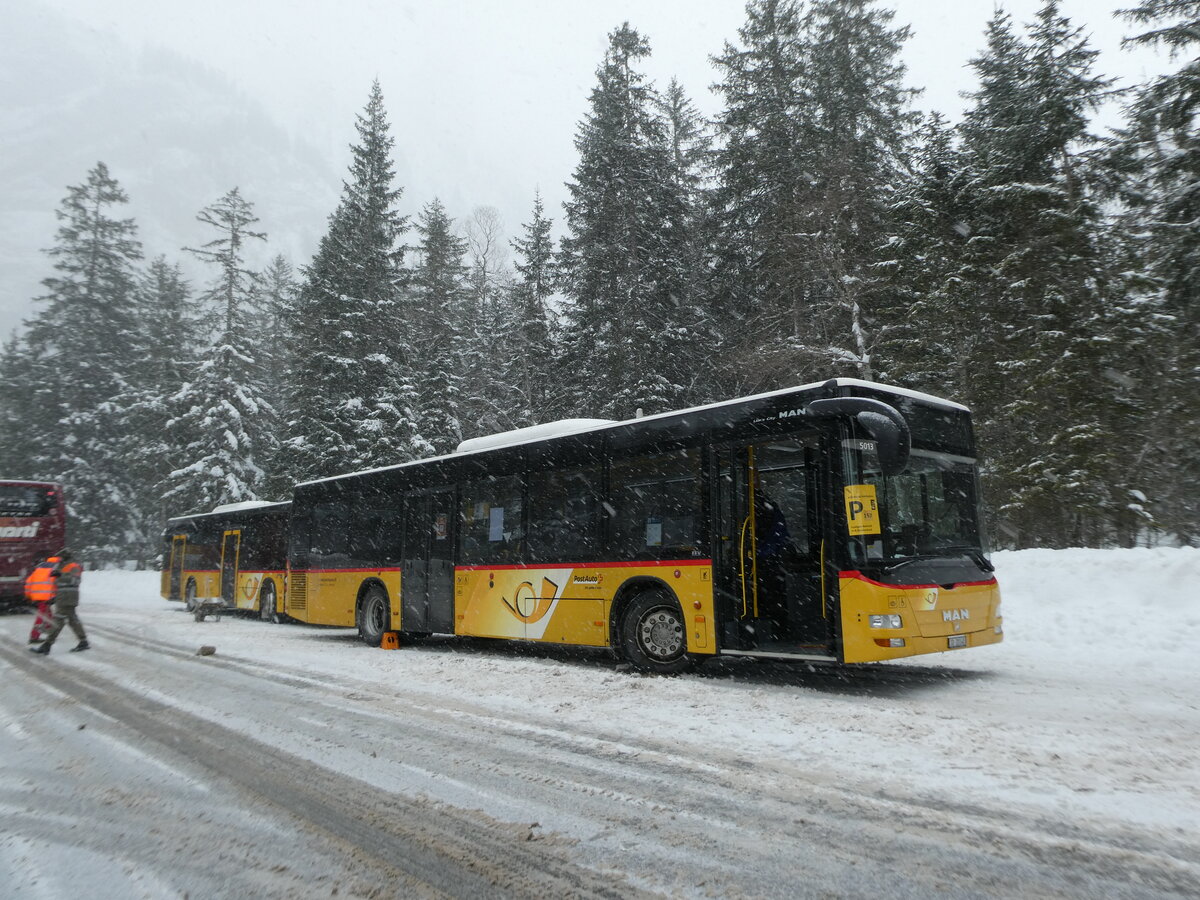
(1091, 706)
(1087, 716)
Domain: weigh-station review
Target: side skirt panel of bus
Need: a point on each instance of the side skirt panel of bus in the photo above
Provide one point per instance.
(574, 603)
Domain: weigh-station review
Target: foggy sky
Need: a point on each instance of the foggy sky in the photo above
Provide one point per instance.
(485, 97)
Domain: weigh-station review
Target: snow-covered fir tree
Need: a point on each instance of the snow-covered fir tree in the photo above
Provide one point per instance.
(173, 336)
(485, 331)
(630, 324)
(273, 311)
(815, 137)
(1034, 277)
(527, 326)
(223, 423)
(82, 355)
(352, 398)
(928, 332)
(1157, 157)
(436, 312)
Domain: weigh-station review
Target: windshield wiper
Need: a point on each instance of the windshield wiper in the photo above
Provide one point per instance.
(972, 553)
(975, 555)
(901, 563)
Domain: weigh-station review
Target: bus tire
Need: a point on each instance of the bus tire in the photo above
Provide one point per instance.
(654, 634)
(267, 609)
(189, 595)
(374, 616)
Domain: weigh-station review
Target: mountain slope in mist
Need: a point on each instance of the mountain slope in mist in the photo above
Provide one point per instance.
(175, 134)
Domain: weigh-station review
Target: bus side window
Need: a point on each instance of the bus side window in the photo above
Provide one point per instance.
(564, 515)
(300, 529)
(329, 533)
(655, 505)
(491, 519)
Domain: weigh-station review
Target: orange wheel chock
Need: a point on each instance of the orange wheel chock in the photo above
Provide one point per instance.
(391, 641)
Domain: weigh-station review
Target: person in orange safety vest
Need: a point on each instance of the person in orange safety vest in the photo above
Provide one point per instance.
(40, 588)
(66, 598)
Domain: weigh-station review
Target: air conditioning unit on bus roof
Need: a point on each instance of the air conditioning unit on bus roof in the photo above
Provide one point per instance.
(532, 433)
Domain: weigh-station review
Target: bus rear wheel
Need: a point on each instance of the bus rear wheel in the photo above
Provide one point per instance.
(267, 610)
(374, 616)
(653, 634)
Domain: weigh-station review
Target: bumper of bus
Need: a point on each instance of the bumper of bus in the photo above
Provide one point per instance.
(882, 622)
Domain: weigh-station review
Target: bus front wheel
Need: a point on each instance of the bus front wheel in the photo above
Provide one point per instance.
(653, 634)
(374, 616)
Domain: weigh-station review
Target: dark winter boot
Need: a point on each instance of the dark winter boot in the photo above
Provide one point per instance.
(82, 645)
(44, 649)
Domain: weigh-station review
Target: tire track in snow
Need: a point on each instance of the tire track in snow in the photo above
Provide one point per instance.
(431, 849)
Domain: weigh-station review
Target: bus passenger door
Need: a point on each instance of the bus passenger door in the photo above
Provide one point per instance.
(178, 549)
(414, 572)
(427, 577)
(231, 542)
(441, 562)
(767, 554)
(734, 592)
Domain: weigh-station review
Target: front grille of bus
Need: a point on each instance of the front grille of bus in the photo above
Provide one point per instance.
(298, 591)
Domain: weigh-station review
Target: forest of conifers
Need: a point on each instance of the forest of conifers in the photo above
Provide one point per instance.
(820, 224)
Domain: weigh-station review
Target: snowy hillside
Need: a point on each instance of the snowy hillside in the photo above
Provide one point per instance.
(175, 134)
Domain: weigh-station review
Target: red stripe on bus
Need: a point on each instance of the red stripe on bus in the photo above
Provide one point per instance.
(910, 587)
(649, 563)
(335, 571)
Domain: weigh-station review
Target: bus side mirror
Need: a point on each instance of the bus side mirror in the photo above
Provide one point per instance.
(882, 422)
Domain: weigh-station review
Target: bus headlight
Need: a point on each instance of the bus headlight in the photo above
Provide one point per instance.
(884, 621)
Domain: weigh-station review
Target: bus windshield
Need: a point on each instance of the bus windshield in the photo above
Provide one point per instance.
(927, 511)
(25, 500)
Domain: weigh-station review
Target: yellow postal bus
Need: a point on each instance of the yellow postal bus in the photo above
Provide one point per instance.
(834, 522)
(235, 554)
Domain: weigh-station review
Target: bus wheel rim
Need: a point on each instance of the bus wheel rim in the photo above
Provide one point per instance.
(661, 634)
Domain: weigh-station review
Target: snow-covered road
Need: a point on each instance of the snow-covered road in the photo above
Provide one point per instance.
(297, 762)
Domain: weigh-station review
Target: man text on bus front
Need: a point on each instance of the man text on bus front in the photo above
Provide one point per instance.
(69, 574)
(39, 590)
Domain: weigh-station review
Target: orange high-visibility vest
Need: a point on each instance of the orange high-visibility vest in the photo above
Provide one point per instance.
(40, 586)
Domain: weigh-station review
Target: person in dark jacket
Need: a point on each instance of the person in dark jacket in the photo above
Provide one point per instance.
(68, 575)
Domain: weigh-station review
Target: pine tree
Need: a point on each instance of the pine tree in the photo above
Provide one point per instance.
(351, 402)
(225, 424)
(20, 419)
(928, 331)
(1036, 283)
(1157, 155)
(485, 329)
(526, 371)
(437, 315)
(172, 337)
(275, 309)
(629, 320)
(815, 136)
(81, 356)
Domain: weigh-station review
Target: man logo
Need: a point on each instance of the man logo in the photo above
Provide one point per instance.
(955, 615)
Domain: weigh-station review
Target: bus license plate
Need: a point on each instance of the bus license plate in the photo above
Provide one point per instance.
(958, 640)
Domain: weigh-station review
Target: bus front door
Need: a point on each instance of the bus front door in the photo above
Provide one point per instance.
(427, 574)
(178, 549)
(231, 543)
(768, 546)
